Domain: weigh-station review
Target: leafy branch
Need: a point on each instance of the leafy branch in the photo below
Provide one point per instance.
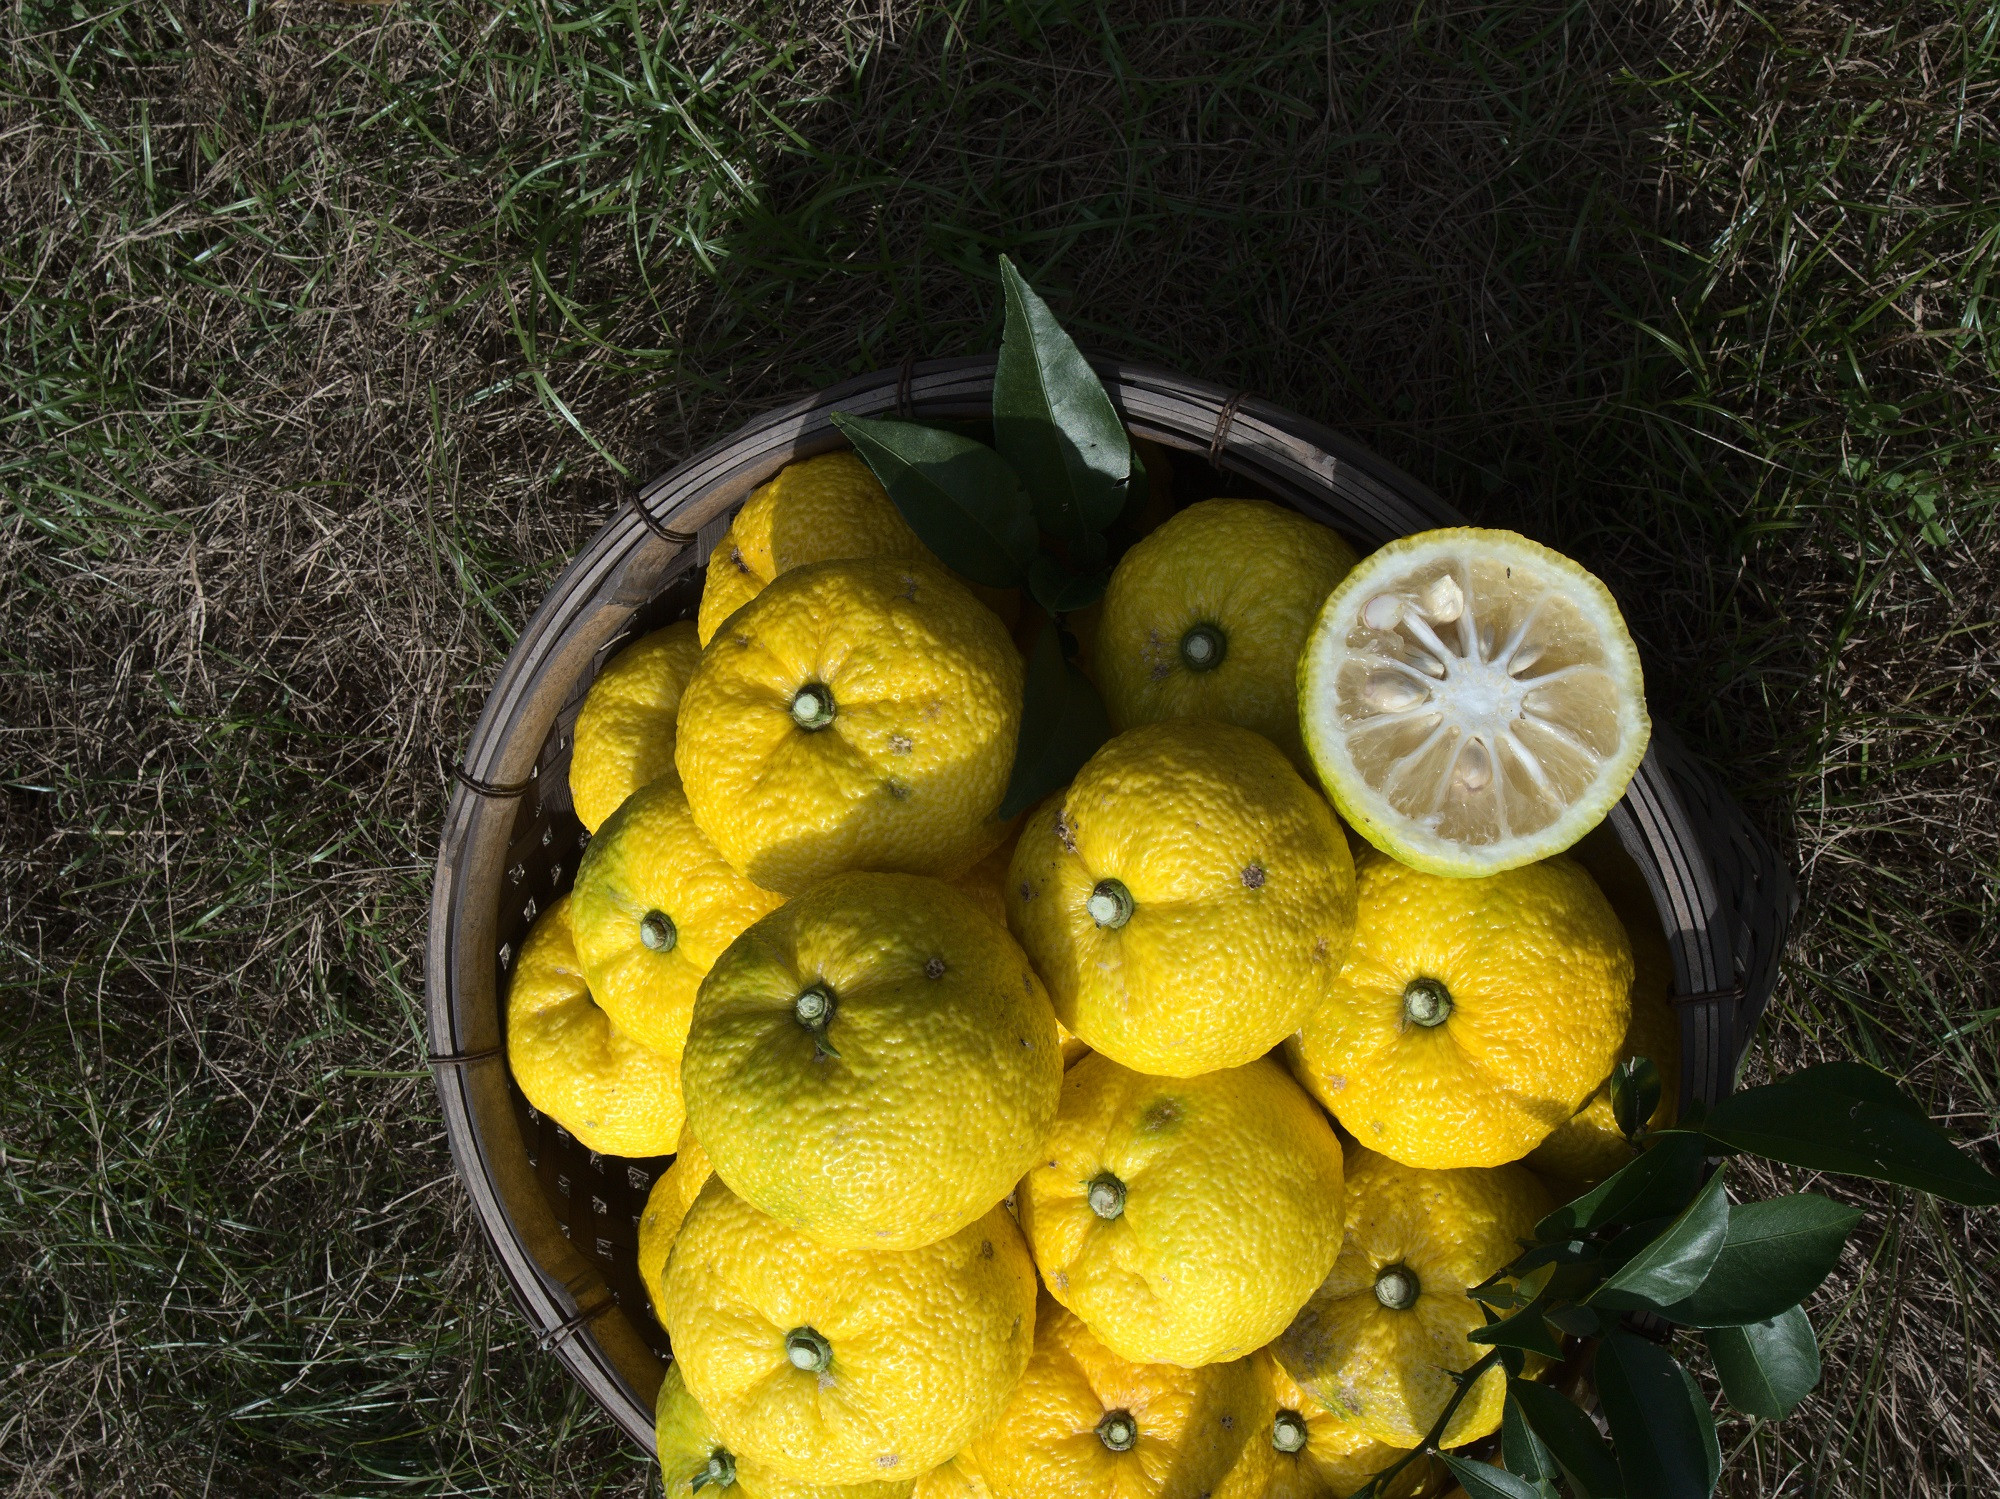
(1030, 512)
(1659, 1246)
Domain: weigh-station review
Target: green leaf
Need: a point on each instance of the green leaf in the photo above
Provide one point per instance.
(1635, 1093)
(1846, 1117)
(959, 496)
(1570, 1437)
(1661, 1181)
(1766, 1367)
(1525, 1329)
(1774, 1256)
(1520, 1449)
(1059, 590)
(1677, 1261)
(1053, 422)
(1062, 723)
(1661, 1428)
(1483, 1482)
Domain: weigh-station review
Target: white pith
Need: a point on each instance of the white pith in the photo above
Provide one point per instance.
(1473, 699)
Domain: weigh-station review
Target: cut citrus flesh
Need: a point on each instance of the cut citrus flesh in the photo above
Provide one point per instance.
(1472, 701)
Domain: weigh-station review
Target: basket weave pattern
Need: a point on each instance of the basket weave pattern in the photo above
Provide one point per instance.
(564, 1220)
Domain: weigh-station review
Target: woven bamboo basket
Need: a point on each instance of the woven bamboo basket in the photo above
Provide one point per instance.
(564, 1220)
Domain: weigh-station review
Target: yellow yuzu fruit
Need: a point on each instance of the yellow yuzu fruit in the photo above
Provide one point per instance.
(654, 906)
(961, 1478)
(1381, 1338)
(854, 715)
(874, 1063)
(693, 1458)
(986, 883)
(1188, 900)
(816, 510)
(1083, 1421)
(1472, 700)
(1472, 1016)
(1186, 1220)
(624, 735)
(614, 1094)
(843, 1365)
(666, 1206)
(1302, 1450)
(1205, 618)
(1589, 1146)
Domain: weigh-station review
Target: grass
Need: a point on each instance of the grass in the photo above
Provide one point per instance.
(330, 332)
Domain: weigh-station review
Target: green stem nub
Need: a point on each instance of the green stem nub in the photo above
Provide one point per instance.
(1288, 1431)
(1118, 1431)
(1106, 1196)
(807, 1351)
(1203, 648)
(1426, 1002)
(1110, 904)
(812, 706)
(1397, 1288)
(721, 1472)
(657, 931)
(814, 1007)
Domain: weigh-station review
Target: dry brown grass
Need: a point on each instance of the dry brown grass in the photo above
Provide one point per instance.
(330, 332)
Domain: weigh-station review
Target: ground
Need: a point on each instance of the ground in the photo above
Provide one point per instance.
(330, 332)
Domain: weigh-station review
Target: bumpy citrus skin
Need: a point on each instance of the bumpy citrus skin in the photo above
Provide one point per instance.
(1251, 573)
(924, 690)
(816, 510)
(1538, 975)
(614, 1094)
(1590, 1146)
(625, 732)
(1337, 1459)
(1241, 893)
(1189, 1425)
(690, 1453)
(666, 1206)
(1228, 1213)
(1387, 1368)
(651, 858)
(986, 883)
(917, 1105)
(924, 1345)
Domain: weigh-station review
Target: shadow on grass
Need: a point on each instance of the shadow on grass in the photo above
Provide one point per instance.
(330, 333)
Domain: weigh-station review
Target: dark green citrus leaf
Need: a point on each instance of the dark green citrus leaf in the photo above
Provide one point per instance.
(1635, 1093)
(1767, 1367)
(1662, 1180)
(1525, 1329)
(1775, 1255)
(961, 499)
(1482, 1482)
(1062, 723)
(1059, 590)
(1053, 422)
(1570, 1437)
(1520, 1449)
(1677, 1261)
(1661, 1429)
(1846, 1117)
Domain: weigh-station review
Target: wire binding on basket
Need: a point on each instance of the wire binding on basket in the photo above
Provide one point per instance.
(659, 527)
(1223, 421)
(463, 1058)
(499, 790)
(904, 408)
(1733, 994)
(574, 1323)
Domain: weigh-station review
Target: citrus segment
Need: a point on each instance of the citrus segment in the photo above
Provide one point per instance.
(1472, 700)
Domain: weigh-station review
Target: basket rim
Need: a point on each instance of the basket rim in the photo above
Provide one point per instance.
(642, 547)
